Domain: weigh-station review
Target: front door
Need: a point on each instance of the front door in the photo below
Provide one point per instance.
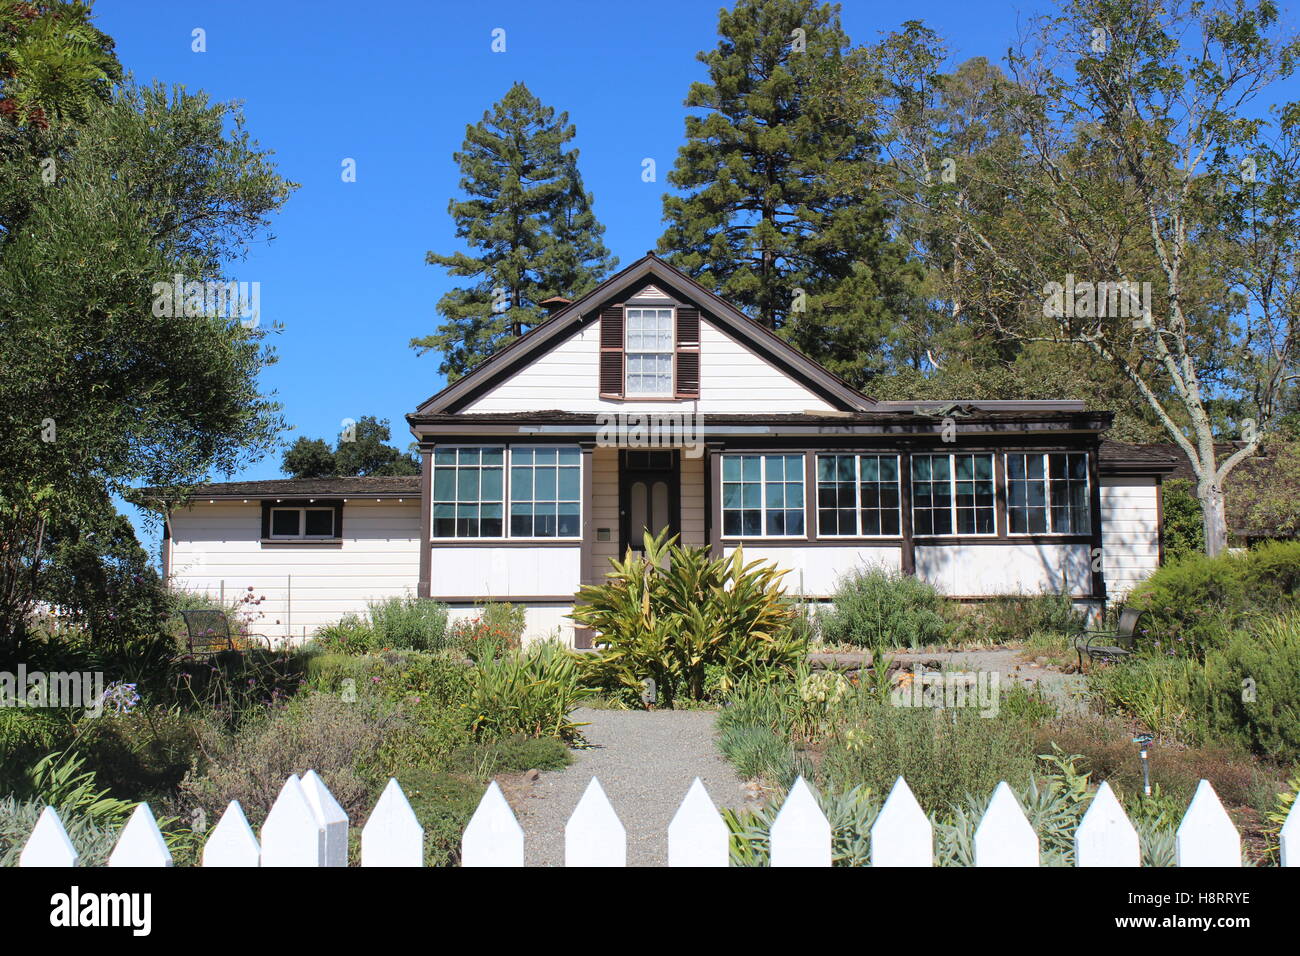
(649, 496)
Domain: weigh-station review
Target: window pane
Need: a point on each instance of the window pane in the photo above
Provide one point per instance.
(320, 522)
(285, 521)
(490, 489)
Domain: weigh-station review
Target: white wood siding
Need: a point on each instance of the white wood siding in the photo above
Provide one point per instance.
(821, 565)
(974, 570)
(216, 549)
(493, 572)
(1130, 532)
(732, 380)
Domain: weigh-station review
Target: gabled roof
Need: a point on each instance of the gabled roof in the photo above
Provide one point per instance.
(731, 320)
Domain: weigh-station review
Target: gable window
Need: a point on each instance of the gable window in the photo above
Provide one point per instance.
(858, 495)
(762, 495)
(649, 352)
(1047, 493)
(303, 524)
(545, 492)
(953, 494)
(468, 492)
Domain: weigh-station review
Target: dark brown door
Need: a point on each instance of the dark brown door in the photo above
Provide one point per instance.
(649, 496)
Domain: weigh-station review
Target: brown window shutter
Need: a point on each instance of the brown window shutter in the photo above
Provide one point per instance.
(688, 353)
(611, 352)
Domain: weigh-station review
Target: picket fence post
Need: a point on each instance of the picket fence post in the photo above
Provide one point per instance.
(392, 836)
(291, 835)
(801, 834)
(1105, 836)
(141, 843)
(697, 835)
(48, 844)
(493, 836)
(594, 835)
(232, 841)
(1004, 836)
(902, 834)
(1207, 836)
(1289, 838)
(330, 817)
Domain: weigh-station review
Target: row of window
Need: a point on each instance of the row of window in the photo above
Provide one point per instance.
(535, 492)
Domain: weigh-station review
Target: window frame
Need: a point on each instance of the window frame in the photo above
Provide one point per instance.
(952, 492)
(671, 352)
(335, 509)
(506, 501)
(857, 457)
(1045, 456)
(762, 456)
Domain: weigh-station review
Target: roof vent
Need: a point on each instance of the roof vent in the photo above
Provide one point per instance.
(554, 304)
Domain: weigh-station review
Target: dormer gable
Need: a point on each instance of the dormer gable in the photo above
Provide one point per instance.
(652, 337)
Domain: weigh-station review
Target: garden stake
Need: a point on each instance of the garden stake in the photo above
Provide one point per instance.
(1143, 741)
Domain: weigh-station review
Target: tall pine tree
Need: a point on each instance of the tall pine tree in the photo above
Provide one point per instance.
(765, 213)
(529, 225)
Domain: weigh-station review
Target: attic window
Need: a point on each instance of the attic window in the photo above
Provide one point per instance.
(649, 349)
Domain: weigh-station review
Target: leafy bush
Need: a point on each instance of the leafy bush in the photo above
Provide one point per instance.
(1195, 603)
(339, 740)
(1156, 690)
(348, 635)
(1184, 520)
(492, 633)
(876, 607)
(530, 692)
(409, 623)
(93, 839)
(675, 612)
(1251, 689)
(1016, 619)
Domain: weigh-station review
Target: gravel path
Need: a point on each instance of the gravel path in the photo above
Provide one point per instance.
(645, 762)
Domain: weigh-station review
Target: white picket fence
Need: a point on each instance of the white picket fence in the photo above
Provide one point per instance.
(307, 827)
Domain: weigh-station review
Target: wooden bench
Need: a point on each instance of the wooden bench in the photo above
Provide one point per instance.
(1110, 645)
(207, 633)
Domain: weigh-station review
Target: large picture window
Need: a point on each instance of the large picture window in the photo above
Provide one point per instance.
(857, 495)
(468, 492)
(1047, 493)
(953, 494)
(762, 495)
(649, 352)
(545, 492)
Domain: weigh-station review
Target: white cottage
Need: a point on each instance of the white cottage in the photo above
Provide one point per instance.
(651, 403)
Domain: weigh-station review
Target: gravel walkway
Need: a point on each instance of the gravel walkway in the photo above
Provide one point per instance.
(645, 762)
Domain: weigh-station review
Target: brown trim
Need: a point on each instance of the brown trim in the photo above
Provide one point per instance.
(908, 558)
(995, 540)
(713, 499)
(166, 549)
(1001, 520)
(612, 371)
(1097, 554)
(300, 542)
(626, 477)
(426, 524)
(582, 636)
(810, 497)
(507, 542)
(795, 540)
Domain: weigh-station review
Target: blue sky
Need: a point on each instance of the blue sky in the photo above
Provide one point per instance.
(393, 86)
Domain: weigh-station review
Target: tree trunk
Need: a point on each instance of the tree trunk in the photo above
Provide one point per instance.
(1214, 517)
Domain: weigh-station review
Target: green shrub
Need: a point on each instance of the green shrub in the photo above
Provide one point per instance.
(1184, 521)
(1265, 662)
(496, 631)
(1016, 619)
(876, 607)
(1196, 603)
(443, 803)
(93, 839)
(675, 612)
(1158, 691)
(409, 623)
(530, 692)
(340, 740)
(349, 635)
